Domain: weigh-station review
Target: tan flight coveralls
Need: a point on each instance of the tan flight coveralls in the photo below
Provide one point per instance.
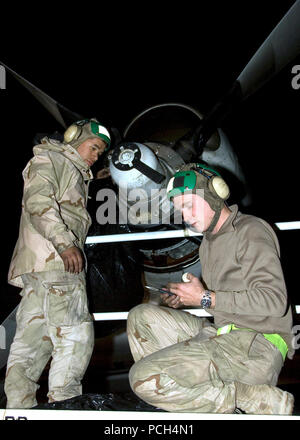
(53, 317)
(183, 365)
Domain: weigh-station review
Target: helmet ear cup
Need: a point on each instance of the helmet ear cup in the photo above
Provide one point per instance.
(219, 187)
(73, 132)
(170, 185)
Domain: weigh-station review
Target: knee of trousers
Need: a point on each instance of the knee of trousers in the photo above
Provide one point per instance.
(17, 382)
(142, 373)
(88, 339)
(80, 336)
(142, 313)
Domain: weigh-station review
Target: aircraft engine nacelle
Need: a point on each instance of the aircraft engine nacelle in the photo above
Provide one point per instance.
(141, 170)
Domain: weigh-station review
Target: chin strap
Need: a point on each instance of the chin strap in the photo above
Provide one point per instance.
(214, 220)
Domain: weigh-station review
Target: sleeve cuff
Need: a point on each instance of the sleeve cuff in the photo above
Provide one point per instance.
(64, 241)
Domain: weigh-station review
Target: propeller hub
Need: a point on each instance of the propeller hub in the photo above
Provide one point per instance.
(124, 156)
(135, 165)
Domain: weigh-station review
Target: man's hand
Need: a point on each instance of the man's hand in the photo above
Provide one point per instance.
(187, 294)
(73, 259)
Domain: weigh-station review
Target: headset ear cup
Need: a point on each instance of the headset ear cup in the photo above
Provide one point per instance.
(170, 184)
(71, 133)
(218, 186)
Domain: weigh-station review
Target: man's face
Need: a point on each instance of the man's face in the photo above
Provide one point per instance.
(195, 211)
(91, 149)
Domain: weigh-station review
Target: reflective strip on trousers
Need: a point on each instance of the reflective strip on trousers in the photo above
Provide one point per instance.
(274, 338)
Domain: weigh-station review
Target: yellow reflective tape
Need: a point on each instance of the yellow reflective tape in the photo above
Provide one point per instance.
(280, 343)
(225, 329)
(274, 338)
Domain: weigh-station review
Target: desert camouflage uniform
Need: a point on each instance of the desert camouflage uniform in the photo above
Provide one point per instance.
(181, 364)
(52, 318)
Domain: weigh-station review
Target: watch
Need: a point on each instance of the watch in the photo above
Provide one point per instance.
(206, 300)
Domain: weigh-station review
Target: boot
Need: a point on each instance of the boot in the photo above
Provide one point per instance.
(263, 399)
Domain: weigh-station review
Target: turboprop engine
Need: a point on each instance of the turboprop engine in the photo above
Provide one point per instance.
(140, 171)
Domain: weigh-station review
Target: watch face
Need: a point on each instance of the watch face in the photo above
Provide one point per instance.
(206, 301)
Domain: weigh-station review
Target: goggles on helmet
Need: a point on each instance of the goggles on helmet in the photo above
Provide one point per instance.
(97, 129)
(181, 182)
(186, 180)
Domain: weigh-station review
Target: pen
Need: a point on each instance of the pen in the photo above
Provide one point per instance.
(160, 290)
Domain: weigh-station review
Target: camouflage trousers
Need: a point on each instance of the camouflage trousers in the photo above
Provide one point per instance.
(182, 365)
(52, 320)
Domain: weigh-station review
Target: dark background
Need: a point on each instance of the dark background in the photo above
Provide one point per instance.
(185, 54)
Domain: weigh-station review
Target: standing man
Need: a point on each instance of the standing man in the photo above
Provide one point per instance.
(49, 264)
(188, 364)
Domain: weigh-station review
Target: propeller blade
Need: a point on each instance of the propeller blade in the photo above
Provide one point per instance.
(148, 171)
(62, 115)
(211, 122)
(281, 47)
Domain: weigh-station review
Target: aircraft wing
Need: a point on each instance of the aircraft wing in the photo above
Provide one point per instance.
(281, 47)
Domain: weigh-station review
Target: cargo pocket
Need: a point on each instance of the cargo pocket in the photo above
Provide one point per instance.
(264, 361)
(66, 303)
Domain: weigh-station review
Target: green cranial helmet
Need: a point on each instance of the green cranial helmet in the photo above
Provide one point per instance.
(195, 176)
(85, 129)
(181, 182)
